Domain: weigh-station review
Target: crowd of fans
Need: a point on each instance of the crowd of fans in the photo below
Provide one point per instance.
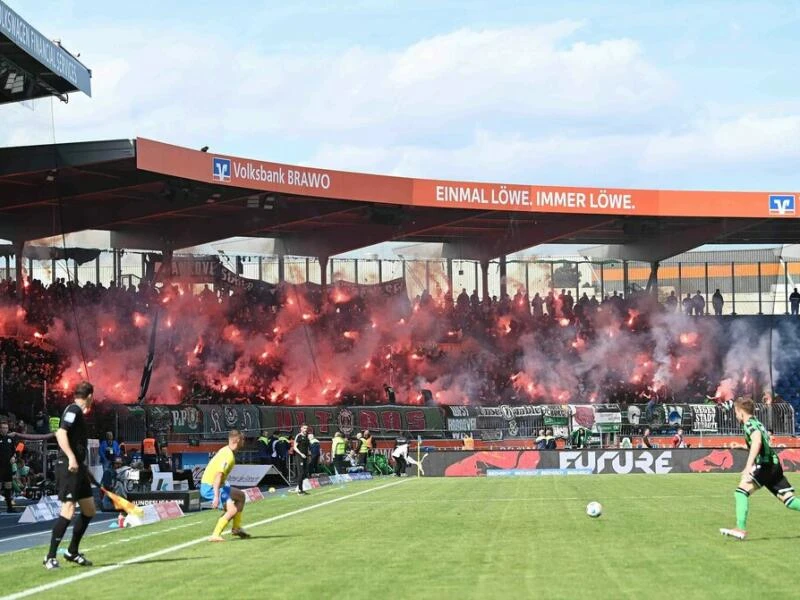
(462, 341)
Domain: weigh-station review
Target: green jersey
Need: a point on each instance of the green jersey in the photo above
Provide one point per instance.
(766, 455)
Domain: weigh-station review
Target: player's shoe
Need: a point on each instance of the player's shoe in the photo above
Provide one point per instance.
(50, 564)
(241, 533)
(78, 559)
(739, 534)
(216, 538)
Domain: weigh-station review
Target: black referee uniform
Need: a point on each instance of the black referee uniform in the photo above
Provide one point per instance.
(7, 451)
(301, 446)
(73, 486)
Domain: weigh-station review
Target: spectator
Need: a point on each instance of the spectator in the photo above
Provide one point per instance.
(677, 440)
(794, 301)
(550, 440)
(646, 438)
(672, 302)
(462, 302)
(537, 304)
(717, 301)
(541, 440)
(109, 450)
(41, 424)
(688, 304)
(699, 303)
(314, 454)
(351, 459)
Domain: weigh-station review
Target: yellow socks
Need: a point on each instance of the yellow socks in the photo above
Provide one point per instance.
(222, 523)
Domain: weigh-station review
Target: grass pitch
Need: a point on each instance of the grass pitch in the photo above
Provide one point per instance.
(451, 538)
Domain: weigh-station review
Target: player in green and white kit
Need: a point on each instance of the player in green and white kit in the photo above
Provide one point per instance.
(763, 469)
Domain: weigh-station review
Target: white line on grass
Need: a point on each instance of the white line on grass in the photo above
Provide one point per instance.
(93, 533)
(94, 572)
(136, 538)
(49, 531)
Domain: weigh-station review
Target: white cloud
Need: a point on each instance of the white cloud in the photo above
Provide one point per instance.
(194, 89)
(747, 140)
(528, 104)
(708, 153)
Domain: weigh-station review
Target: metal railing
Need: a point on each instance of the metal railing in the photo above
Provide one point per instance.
(749, 283)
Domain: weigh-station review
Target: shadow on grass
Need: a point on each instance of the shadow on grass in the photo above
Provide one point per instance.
(152, 561)
(264, 537)
(773, 538)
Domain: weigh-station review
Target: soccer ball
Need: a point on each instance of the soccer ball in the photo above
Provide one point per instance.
(272, 490)
(594, 509)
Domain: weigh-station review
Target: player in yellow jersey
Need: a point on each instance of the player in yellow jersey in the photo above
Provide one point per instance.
(213, 487)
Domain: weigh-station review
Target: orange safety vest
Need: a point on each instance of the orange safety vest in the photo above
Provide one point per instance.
(149, 446)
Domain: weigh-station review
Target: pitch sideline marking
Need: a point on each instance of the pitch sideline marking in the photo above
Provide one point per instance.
(92, 573)
(50, 531)
(135, 538)
(93, 533)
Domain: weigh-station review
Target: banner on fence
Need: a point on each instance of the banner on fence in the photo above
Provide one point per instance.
(253, 494)
(607, 418)
(219, 420)
(599, 462)
(189, 501)
(245, 476)
(382, 421)
(704, 418)
(47, 509)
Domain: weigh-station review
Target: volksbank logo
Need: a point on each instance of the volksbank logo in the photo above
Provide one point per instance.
(221, 169)
(225, 169)
(780, 204)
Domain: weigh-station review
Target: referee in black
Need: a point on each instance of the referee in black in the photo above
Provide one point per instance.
(72, 478)
(301, 446)
(7, 452)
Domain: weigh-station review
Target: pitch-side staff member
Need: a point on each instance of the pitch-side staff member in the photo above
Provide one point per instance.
(301, 444)
(72, 478)
(401, 457)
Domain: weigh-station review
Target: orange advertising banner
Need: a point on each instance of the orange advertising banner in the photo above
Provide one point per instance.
(257, 175)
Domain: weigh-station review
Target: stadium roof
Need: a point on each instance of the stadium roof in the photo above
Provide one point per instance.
(32, 66)
(154, 195)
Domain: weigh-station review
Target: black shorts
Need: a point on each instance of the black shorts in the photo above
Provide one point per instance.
(6, 474)
(770, 476)
(72, 487)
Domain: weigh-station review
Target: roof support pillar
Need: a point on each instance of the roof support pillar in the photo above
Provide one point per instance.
(449, 277)
(282, 268)
(503, 277)
(485, 282)
(652, 281)
(626, 291)
(323, 275)
(19, 247)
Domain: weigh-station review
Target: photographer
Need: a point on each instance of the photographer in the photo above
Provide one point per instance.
(401, 457)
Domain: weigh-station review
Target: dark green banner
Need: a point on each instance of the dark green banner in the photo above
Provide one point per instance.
(383, 421)
(175, 419)
(220, 419)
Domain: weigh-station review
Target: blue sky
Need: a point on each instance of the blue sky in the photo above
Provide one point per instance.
(658, 94)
